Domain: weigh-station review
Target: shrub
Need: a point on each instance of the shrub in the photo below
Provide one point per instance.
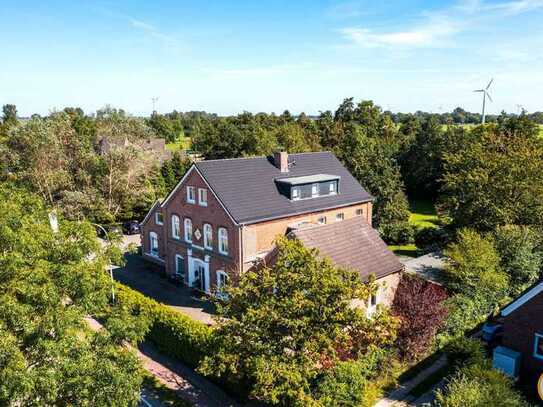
(397, 232)
(479, 386)
(173, 333)
(464, 352)
(419, 306)
(520, 255)
(434, 237)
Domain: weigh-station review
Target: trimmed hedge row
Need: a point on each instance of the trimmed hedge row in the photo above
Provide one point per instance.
(173, 333)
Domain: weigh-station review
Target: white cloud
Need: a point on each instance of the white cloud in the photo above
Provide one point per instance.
(437, 28)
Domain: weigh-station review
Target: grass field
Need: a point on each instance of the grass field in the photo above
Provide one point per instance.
(423, 214)
(182, 144)
(541, 130)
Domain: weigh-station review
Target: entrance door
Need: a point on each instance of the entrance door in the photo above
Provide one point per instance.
(200, 274)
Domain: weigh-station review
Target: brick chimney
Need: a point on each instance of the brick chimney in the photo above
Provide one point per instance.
(280, 159)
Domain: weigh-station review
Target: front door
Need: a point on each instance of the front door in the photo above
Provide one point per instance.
(200, 274)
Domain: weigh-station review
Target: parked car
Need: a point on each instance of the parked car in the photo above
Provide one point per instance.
(131, 227)
(111, 229)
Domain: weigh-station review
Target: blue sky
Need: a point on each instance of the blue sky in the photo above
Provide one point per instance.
(227, 57)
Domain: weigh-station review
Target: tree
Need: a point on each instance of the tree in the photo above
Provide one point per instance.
(418, 304)
(284, 325)
(9, 116)
(495, 179)
(371, 161)
(474, 267)
(520, 255)
(50, 282)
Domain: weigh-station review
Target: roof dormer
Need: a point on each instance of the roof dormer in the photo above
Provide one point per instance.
(309, 186)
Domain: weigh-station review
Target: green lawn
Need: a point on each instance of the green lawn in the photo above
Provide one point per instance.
(182, 144)
(422, 214)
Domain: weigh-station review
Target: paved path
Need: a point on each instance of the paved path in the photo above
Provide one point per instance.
(175, 375)
(139, 275)
(400, 396)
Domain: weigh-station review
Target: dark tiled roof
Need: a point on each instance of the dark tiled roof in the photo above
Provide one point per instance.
(247, 187)
(352, 244)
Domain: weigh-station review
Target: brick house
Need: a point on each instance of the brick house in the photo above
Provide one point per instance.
(223, 217)
(523, 330)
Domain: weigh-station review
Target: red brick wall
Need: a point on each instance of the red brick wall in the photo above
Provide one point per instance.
(215, 215)
(519, 329)
(152, 226)
(259, 237)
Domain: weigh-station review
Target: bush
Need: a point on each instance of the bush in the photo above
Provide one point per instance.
(464, 352)
(479, 386)
(419, 306)
(173, 333)
(397, 233)
(433, 237)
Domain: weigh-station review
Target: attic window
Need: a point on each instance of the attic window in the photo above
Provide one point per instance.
(538, 346)
(295, 193)
(309, 186)
(315, 190)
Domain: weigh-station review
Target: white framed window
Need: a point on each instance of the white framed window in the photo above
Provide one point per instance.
(340, 217)
(359, 212)
(188, 230)
(176, 227)
(315, 190)
(180, 265)
(191, 195)
(223, 241)
(222, 279)
(321, 220)
(208, 236)
(372, 305)
(159, 218)
(333, 188)
(538, 346)
(202, 196)
(153, 244)
(295, 193)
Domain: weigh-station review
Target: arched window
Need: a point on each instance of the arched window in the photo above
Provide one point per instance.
(223, 241)
(188, 230)
(153, 244)
(208, 236)
(175, 227)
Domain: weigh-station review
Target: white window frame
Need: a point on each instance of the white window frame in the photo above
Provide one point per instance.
(191, 195)
(315, 190)
(187, 230)
(157, 221)
(176, 226)
(153, 251)
(340, 216)
(226, 278)
(177, 257)
(537, 337)
(202, 193)
(332, 188)
(321, 220)
(372, 307)
(208, 242)
(222, 238)
(296, 193)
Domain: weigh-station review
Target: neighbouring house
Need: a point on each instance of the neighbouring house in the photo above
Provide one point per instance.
(156, 147)
(224, 216)
(523, 334)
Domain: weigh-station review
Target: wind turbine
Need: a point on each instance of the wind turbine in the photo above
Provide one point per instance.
(485, 95)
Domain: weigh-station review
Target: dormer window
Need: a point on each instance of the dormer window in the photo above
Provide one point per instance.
(314, 190)
(308, 186)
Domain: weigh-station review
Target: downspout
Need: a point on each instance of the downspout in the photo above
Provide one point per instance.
(241, 249)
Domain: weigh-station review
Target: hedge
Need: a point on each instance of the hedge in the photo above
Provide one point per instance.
(173, 333)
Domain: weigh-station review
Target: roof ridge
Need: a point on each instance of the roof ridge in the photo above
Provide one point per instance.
(262, 156)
